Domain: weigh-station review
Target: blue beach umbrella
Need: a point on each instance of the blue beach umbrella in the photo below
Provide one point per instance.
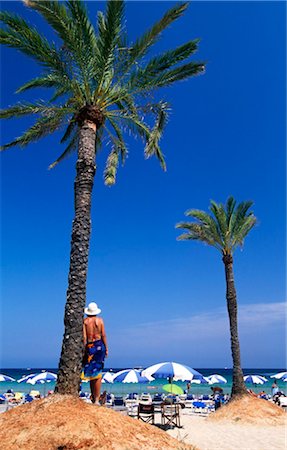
(130, 376)
(280, 376)
(172, 370)
(255, 379)
(6, 378)
(215, 378)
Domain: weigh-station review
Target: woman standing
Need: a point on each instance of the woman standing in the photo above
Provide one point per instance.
(96, 350)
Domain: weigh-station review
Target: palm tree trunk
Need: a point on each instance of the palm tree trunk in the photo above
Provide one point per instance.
(70, 363)
(238, 386)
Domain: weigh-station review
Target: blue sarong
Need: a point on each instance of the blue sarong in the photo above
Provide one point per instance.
(93, 362)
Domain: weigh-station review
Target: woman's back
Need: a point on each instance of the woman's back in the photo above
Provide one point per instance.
(93, 326)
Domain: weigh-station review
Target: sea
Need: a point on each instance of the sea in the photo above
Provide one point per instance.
(152, 387)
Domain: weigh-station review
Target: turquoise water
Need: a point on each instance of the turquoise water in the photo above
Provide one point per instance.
(153, 387)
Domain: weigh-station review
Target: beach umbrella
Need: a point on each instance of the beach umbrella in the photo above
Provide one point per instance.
(201, 380)
(6, 378)
(130, 376)
(172, 370)
(42, 377)
(215, 378)
(255, 379)
(108, 377)
(280, 376)
(26, 378)
(173, 389)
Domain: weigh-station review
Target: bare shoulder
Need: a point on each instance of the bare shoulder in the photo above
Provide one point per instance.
(100, 320)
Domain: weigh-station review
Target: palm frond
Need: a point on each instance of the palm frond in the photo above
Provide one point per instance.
(143, 80)
(152, 146)
(225, 231)
(69, 130)
(109, 34)
(171, 58)
(141, 46)
(24, 109)
(220, 215)
(72, 147)
(47, 81)
(119, 142)
(42, 127)
(111, 167)
(22, 36)
(196, 231)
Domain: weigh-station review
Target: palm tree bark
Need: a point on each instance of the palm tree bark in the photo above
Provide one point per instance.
(238, 386)
(70, 364)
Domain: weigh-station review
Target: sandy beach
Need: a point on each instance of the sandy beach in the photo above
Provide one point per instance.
(69, 423)
(207, 435)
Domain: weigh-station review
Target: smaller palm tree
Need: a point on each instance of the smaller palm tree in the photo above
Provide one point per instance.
(224, 229)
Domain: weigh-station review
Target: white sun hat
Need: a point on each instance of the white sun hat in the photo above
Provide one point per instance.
(92, 309)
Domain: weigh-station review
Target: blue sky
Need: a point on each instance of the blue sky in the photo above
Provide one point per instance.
(161, 299)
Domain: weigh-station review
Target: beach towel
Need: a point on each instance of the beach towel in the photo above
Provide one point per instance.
(93, 362)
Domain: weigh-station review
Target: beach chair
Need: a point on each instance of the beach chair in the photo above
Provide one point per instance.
(146, 413)
(132, 407)
(283, 402)
(188, 401)
(110, 400)
(119, 404)
(200, 408)
(170, 416)
(28, 398)
(145, 399)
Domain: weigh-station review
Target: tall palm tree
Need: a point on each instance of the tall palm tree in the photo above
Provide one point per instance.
(225, 229)
(103, 87)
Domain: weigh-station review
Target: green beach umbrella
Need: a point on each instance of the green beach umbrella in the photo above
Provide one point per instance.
(173, 389)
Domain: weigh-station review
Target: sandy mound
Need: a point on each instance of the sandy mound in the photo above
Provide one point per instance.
(67, 423)
(250, 410)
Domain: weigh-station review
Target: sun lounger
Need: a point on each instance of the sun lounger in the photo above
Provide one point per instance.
(200, 407)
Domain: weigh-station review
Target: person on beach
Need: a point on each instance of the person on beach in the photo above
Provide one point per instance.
(96, 350)
(274, 388)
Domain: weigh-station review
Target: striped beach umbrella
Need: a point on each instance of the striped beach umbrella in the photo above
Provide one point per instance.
(215, 378)
(172, 370)
(255, 379)
(130, 376)
(280, 376)
(6, 378)
(44, 377)
(26, 378)
(108, 377)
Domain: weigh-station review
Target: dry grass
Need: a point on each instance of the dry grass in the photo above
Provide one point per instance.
(67, 423)
(250, 410)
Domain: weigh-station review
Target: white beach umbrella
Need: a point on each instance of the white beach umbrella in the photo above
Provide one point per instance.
(44, 377)
(255, 379)
(172, 370)
(6, 378)
(280, 376)
(131, 376)
(215, 378)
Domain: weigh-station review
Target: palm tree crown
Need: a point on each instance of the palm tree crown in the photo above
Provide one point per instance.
(224, 229)
(97, 74)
